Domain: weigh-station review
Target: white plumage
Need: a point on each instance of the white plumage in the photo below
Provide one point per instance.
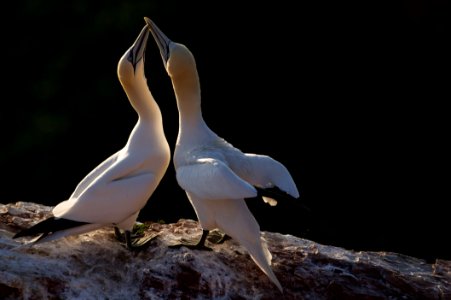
(215, 175)
(116, 190)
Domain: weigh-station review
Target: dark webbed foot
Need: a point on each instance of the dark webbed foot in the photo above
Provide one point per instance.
(217, 237)
(138, 242)
(134, 241)
(194, 244)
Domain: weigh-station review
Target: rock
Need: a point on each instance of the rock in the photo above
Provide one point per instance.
(96, 266)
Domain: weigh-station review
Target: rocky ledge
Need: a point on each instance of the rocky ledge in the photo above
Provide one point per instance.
(96, 266)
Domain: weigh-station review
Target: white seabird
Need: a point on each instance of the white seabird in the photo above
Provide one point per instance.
(117, 189)
(216, 176)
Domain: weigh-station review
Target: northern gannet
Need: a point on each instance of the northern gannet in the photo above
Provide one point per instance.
(216, 176)
(117, 189)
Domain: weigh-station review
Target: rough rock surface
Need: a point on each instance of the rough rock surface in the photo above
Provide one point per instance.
(96, 266)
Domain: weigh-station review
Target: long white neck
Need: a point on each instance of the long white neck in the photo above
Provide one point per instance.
(141, 99)
(187, 92)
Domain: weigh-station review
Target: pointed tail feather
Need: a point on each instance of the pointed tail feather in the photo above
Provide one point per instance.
(262, 257)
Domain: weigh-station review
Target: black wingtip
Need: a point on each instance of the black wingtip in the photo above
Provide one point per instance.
(275, 193)
(47, 226)
(36, 229)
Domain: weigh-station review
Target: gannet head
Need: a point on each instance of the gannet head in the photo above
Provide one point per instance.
(131, 63)
(177, 58)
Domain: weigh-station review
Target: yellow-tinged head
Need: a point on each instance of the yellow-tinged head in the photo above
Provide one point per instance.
(177, 58)
(131, 63)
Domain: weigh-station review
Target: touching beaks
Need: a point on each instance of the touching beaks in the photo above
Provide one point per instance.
(137, 50)
(161, 39)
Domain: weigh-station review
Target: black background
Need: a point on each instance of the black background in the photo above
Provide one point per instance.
(350, 97)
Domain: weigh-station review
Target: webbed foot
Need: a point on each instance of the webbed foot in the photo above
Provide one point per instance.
(217, 237)
(138, 240)
(193, 244)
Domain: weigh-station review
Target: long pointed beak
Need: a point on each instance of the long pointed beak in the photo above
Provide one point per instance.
(138, 48)
(161, 39)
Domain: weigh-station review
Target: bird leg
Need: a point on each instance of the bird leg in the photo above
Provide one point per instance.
(192, 244)
(118, 235)
(128, 239)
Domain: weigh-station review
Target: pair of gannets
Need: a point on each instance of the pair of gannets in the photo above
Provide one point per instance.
(215, 176)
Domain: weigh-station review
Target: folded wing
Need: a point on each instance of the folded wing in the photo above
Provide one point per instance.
(212, 179)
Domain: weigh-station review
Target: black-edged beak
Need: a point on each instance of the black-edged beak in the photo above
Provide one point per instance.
(138, 48)
(160, 38)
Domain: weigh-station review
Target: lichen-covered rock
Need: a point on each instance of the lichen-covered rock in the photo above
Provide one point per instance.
(96, 266)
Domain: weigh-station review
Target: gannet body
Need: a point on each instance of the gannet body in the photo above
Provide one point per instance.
(117, 189)
(216, 176)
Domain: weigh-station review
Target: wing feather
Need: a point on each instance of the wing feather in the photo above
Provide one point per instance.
(264, 171)
(209, 178)
(110, 198)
